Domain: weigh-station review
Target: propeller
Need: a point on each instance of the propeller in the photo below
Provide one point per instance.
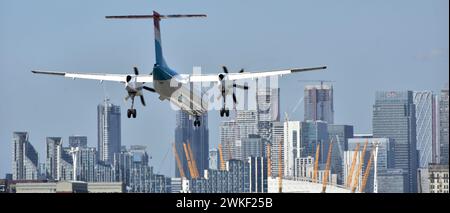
(222, 76)
(136, 73)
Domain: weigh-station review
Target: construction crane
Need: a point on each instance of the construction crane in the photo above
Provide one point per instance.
(367, 172)
(194, 162)
(316, 164)
(327, 168)
(177, 158)
(222, 162)
(352, 168)
(269, 160)
(191, 168)
(361, 162)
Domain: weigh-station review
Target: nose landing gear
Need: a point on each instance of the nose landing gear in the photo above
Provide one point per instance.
(132, 112)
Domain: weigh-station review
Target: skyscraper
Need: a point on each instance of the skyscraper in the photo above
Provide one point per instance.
(197, 137)
(247, 123)
(257, 174)
(394, 117)
(228, 131)
(25, 158)
(443, 125)
(277, 148)
(319, 103)
(54, 151)
(268, 104)
(314, 133)
(426, 126)
(268, 108)
(384, 159)
(292, 146)
(78, 141)
(87, 158)
(109, 131)
(59, 162)
(339, 134)
(213, 159)
(252, 146)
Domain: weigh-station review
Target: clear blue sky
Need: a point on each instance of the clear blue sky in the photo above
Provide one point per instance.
(367, 45)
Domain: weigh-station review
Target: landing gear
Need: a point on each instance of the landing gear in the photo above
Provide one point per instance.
(225, 112)
(132, 111)
(197, 121)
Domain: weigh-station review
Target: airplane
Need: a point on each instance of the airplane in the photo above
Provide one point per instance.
(171, 86)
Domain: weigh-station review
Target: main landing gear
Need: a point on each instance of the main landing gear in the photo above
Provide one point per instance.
(225, 112)
(197, 121)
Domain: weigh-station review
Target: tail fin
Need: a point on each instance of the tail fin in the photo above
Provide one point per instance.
(156, 19)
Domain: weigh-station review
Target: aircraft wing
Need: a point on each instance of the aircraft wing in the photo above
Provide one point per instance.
(250, 75)
(98, 76)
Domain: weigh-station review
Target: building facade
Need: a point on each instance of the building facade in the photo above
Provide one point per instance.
(394, 117)
(383, 159)
(78, 141)
(197, 137)
(443, 126)
(109, 131)
(339, 134)
(319, 103)
(292, 146)
(24, 158)
(426, 126)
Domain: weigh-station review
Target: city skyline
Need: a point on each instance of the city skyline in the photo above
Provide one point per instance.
(430, 59)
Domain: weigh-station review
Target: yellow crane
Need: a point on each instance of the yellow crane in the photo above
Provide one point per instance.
(316, 164)
(177, 158)
(269, 160)
(367, 172)
(361, 162)
(222, 162)
(327, 168)
(191, 169)
(352, 168)
(194, 162)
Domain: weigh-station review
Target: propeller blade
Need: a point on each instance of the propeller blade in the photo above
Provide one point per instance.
(128, 78)
(241, 71)
(241, 87)
(225, 69)
(234, 98)
(149, 89)
(136, 71)
(142, 100)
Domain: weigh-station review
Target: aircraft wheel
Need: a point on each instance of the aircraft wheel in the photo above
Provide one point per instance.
(227, 112)
(134, 113)
(129, 113)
